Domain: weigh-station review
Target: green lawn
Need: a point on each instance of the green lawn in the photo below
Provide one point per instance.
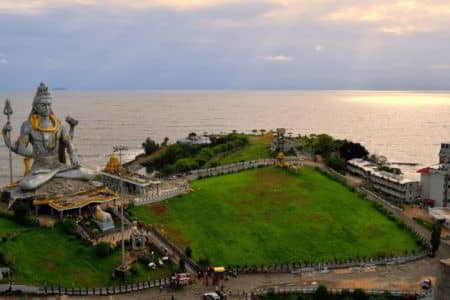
(271, 215)
(258, 147)
(41, 256)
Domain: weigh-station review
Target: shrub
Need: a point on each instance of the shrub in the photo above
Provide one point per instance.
(336, 162)
(359, 294)
(68, 226)
(102, 249)
(21, 213)
(182, 265)
(185, 164)
(321, 293)
(188, 252)
(435, 237)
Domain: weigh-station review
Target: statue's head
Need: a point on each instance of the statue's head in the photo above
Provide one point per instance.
(42, 102)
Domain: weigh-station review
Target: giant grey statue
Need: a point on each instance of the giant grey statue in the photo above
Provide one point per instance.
(46, 141)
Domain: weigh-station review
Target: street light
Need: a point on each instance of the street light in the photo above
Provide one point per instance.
(120, 148)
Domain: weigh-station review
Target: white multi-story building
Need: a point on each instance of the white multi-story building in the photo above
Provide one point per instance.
(434, 180)
(397, 187)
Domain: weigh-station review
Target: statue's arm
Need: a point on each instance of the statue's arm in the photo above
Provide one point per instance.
(67, 140)
(21, 146)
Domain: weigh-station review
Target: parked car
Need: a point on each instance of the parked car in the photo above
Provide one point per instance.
(180, 279)
(425, 284)
(152, 265)
(211, 296)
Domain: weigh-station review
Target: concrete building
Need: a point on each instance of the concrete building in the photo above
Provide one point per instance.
(434, 180)
(196, 140)
(396, 187)
(434, 185)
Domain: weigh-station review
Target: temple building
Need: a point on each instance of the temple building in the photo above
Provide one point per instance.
(121, 180)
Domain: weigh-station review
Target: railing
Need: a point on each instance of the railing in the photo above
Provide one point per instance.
(312, 289)
(83, 291)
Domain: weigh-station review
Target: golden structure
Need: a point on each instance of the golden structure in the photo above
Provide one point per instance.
(280, 160)
(113, 165)
(78, 200)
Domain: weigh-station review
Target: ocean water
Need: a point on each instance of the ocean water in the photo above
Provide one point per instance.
(404, 126)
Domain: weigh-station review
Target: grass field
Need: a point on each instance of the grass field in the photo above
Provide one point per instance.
(258, 147)
(271, 215)
(41, 256)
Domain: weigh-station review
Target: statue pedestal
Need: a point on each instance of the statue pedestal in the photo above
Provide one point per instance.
(104, 226)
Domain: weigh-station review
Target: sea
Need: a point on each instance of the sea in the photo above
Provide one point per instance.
(405, 126)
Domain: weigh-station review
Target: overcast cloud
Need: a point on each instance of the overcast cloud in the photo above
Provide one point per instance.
(225, 44)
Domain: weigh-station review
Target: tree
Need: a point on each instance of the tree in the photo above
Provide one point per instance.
(334, 161)
(192, 135)
(359, 294)
(254, 131)
(150, 146)
(21, 212)
(68, 226)
(323, 144)
(321, 293)
(182, 265)
(435, 237)
(165, 141)
(263, 131)
(188, 252)
(103, 249)
(350, 150)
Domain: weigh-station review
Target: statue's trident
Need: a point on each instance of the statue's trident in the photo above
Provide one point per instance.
(7, 111)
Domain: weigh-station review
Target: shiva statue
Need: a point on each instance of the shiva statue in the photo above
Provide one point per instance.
(44, 140)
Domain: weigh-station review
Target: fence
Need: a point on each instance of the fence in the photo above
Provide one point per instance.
(151, 198)
(101, 291)
(302, 267)
(312, 289)
(191, 265)
(231, 168)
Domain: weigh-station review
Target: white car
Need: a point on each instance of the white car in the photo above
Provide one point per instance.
(152, 265)
(211, 296)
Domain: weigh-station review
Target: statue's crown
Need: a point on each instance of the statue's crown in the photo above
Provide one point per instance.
(42, 93)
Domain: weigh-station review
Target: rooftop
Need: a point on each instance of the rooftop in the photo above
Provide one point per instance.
(440, 213)
(372, 168)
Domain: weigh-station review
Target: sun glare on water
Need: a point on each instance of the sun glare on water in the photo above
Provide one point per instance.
(403, 98)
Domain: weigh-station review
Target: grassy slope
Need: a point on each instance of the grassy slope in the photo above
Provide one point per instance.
(257, 148)
(49, 257)
(269, 215)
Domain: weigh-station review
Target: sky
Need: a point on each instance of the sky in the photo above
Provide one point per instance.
(225, 44)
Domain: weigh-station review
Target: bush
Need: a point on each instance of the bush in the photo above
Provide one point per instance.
(321, 293)
(150, 146)
(182, 265)
(102, 249)
(185, 164)
(188, 252)
(359, 294)
(21, 213)
(435, 237)
(334, 161)
(68, 226)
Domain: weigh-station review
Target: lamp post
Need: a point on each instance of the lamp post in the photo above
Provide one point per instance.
(120, 148)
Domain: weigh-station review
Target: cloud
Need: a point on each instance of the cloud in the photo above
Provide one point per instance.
(318, 48)
(39, 6)
(280, 58)
(394, 17)
(388, 16)
(440, 67)
(3, 59)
